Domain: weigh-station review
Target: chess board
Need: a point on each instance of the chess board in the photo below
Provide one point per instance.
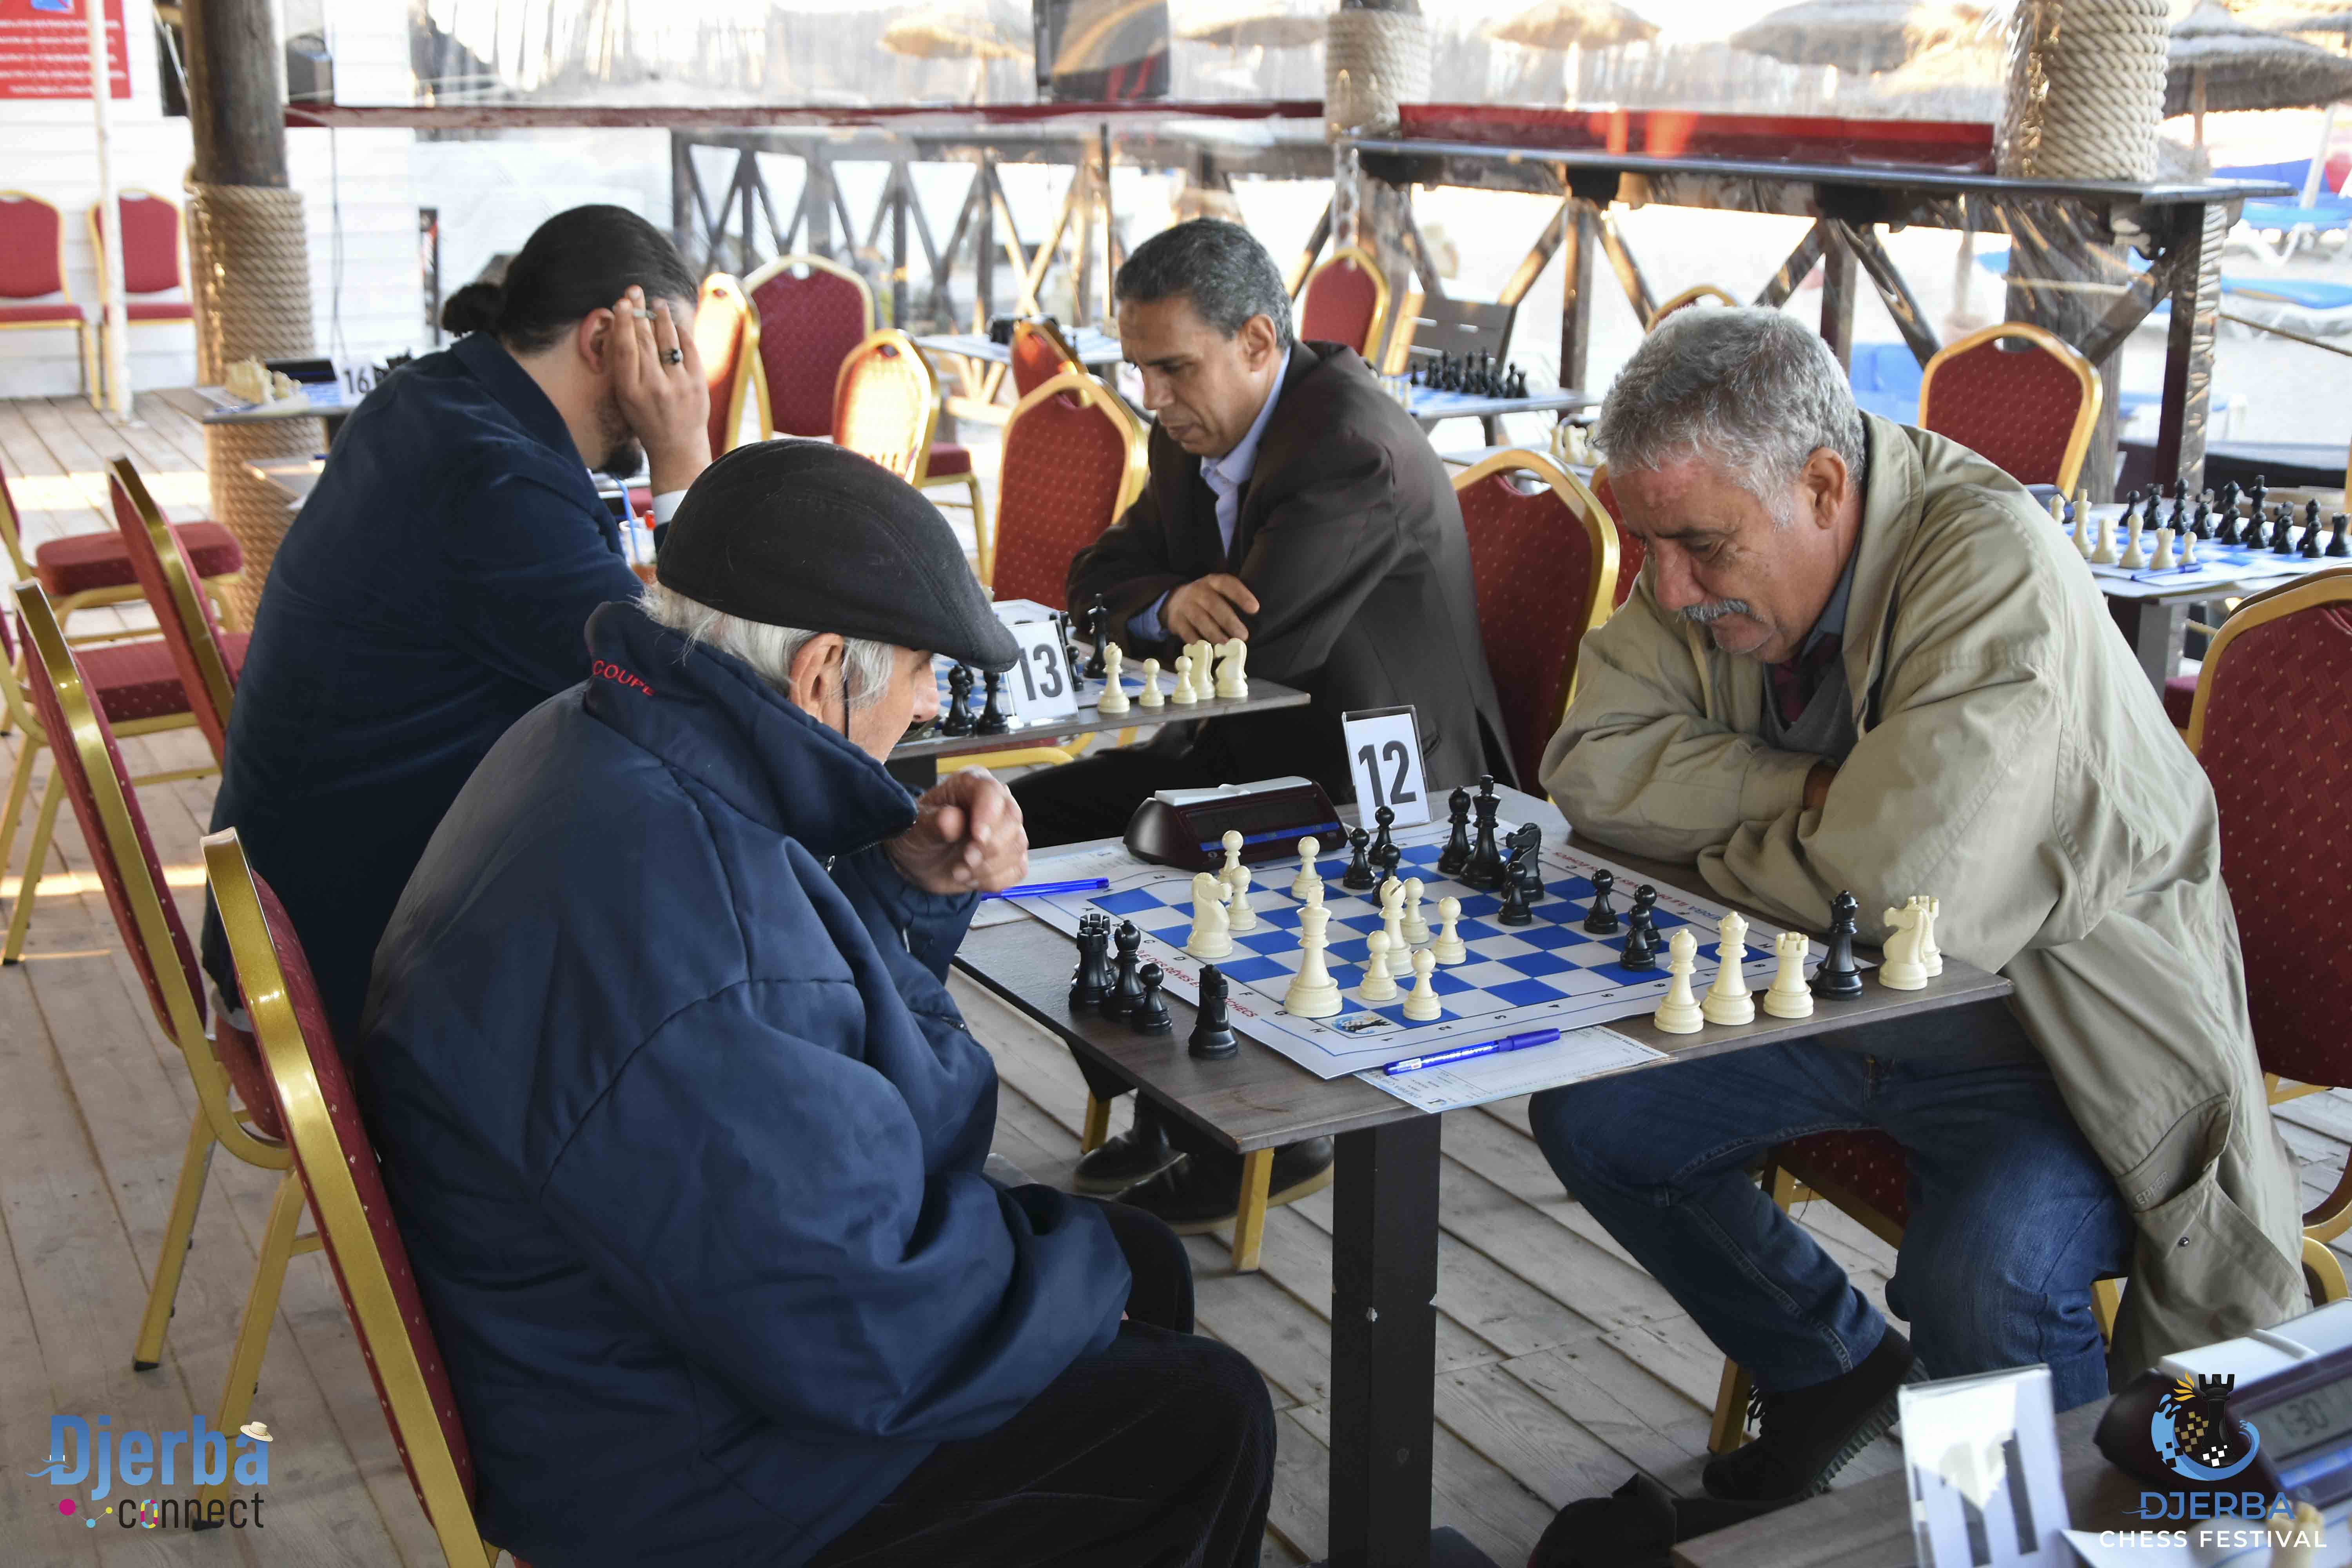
(1547, 974)
(2216, 563)
(1089, 695)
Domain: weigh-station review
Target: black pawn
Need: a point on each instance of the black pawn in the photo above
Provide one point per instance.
(2312, 548)
(992, 720)
(2202, 524)
(1642, 931)
(2282, 531)
(1840, 978)
(1486, 866)
(1514, 910)
(1098, 628)
(1127, 991)
(1212, 1033)
(1360, 870)
(1092, 980)
(958, 720)
(1457, 853)
(1384, 818)
(2336, 544)
(2254, 494)
(1603, 920)
(1151, 1015)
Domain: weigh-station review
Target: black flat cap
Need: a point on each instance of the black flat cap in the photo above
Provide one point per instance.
(799, 533)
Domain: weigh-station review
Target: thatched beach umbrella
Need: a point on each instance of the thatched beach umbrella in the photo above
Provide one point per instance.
(1857, 36)
(2294, 16)
(2219, 62)
(1574, 25)
(941, 33)
(1255, 29)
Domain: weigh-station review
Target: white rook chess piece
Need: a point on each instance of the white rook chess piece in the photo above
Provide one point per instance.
(1113, 695)
(1307, 880)
(1149, 697)
(1899, 967)
(1790, 997)
(1313, 993)
(1240, 917)
(1422, 1005)
(1232, 674)
(1378, 985)
(1416, 929)
(1448, 946)
(1727, 1001)
(1184, 695)
(1210, 926)
(1679, 1012)
(1931, 957)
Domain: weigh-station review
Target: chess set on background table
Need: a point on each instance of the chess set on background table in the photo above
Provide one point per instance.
(1030, 695)
(2218, 537)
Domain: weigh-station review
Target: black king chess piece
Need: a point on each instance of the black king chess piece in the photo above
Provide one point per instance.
(957, 720)
(1840, 978)
(1457, 853)
(992, 720)
(1212, 1033)
(1485, 869)
(1360, 870)
(1603, 920)
(1641, 929)
(1098, 630)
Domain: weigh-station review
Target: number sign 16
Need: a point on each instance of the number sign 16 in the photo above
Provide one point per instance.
(1384, 755)
(1039, 683)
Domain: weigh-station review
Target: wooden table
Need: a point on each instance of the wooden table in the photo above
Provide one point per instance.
(1384, 1224)
(1429, 407)
(915, 763)
(1869, 1525)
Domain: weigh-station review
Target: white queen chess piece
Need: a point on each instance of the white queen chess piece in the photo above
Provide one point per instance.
(1313, 993)
(1184, 695)
(1422, 1006)
(1209, 938)
(1727, 1001)
(1900, 968)
(1448, 948)
(1678, 1013)
(1233, 677)
(1307, 880)
(1113, 695)
(1149, 696)
(1378, 985)
(1790, 997)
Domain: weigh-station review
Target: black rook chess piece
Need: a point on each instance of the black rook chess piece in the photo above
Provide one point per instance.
(2336, 543)
(1127, 991)
(1840, 978)
(1360, 870)
(1457, 853)
(1642, 931)
(1092, 980)
(1212, 1033)
(1151, 1015)
(1603, 920)
(992, 720)
(1098, 629)
(958, 719)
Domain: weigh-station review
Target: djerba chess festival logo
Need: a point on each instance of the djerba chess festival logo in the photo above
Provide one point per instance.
(2195, 1435)
(87, 1453)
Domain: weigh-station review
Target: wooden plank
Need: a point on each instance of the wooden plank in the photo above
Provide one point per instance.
(1482, 1501)
(1648, 1422)
(1526, 1437)
(1302, 1470)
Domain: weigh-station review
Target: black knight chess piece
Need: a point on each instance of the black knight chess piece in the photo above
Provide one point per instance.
(1151, 1015)
(1839, 977)
(1641, 929)
(1212, 1033)
(1457, 853)
(957, 720)
(2202, 1428)
(1098, 628)
(1601, 920)
(1485, 869)
(992, 720)
(1127, 991)
(1359, 869)
(1527, 860)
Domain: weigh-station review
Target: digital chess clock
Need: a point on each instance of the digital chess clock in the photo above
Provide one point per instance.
(2304, 1418)
(1187, 827)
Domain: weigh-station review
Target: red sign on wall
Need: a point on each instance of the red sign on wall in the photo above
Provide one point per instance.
(45, 49)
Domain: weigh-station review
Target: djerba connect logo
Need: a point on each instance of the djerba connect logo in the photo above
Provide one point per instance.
(85, 1450)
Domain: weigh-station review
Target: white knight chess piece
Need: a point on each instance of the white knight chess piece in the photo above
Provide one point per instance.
(1233, 677)
(1899, 967)
(1209, 938)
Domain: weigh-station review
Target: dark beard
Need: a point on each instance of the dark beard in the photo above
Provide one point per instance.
(623, 460)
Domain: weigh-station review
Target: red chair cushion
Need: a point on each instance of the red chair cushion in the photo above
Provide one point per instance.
(1339, 306)
(807, 327)
(158, 311)
(2278, 748)
(1064, 461)
(139, 680)
(63, 313)
(28, 251)
(946, 460)
(1868, 1163)
(2015, 407)
(82, 562)
(151, 248)
(2180, 700)
(1531, 564)
(1630, 550)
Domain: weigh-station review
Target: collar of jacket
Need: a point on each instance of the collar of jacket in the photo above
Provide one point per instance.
(706, 715)
(1277, 443)
(487, 358)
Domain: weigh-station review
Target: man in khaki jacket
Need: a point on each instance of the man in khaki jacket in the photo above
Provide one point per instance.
(1861, 657)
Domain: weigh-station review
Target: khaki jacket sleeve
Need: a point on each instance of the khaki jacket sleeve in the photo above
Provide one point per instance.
(1639, 763)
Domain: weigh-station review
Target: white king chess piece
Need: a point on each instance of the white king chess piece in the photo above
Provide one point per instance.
(1233, 677)
(1113, 695)
(1727, 1001)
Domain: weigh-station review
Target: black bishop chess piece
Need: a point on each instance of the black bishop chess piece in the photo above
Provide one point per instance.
(1457, 853)
(1127, 988)
(1359, 869)
(957, 720)
(2336, 543)
(1514, 910)
(1839, 977)
(1485, 867)
(1213, 1032)
(1098, 630)
(1092, 980)
(1151, 1013)
(992, 718)
(1601, 919)
(1641, 929)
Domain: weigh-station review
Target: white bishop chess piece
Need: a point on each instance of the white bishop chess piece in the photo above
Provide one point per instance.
(1727, 1001)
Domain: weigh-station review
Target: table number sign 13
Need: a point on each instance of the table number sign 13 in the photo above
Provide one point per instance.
(1039, 684)
(1384, 756)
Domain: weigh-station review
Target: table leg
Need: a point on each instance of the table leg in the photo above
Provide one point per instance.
(2155, 629)
(1249, 1215)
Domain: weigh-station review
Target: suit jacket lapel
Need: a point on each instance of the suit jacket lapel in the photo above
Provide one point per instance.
(1274, 449)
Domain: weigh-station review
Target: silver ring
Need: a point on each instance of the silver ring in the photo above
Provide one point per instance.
(674, 356)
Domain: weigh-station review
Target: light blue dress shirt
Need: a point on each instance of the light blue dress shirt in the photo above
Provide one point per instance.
(1224, 477)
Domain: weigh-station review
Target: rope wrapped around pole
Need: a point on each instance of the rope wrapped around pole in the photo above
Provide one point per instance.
(1372, 61)
(2085, 88)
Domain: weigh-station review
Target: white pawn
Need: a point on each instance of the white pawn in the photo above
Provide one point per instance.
(2165, 560)
(1313, 993)
(1422, 1005)
(1233, 675)
(1306, 879)
(1416, 929)
(1149, 697)
(1184, 695)
(1899, 968)
(1240, 917)
(1232, 840)
(1448, 946)
(2104, 535)
(1210, 925)
(1114, 696)
(2187, 549)
(1931, 957)
(1378, 985)
(1790, 997)
(1393, 913)
(1727, 1001)
(2133, 559)
(1678, 1013)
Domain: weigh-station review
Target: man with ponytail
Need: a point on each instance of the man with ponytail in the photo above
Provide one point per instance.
(436, 585)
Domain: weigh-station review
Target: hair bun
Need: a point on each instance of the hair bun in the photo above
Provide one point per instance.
(475, 308)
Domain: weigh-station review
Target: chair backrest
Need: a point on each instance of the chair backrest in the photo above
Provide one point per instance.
(813, 312)
(1691, 296)
(1346, 301)
(12, 539)
(1544, 561)
(1630, 550)
(1073, 461)
(32, 248)
(1456, 327)
(2271, 729)
(151, 244)
(727, 341)
(183, 614)
(357, 1228)
(2027, 409)
(1040, 353)
(887, 403)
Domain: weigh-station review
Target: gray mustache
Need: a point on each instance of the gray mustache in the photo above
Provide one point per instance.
(1707, 614)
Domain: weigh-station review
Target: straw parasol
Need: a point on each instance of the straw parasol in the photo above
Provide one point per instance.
(2294, 16)
(944, 34)
(2220, 62)
(1256, 29)
(1857, 36)
(1574, 25)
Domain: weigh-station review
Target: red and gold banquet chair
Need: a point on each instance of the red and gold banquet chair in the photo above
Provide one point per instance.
(727, 341)
(2027, 408)
(154, 262)
(2271, 728)
(1544, 562)
(1039, 354)
(207, 659)
(812, 315)
(311, 1097)
(1630, 550)
(1690, 295)
(32, 268)
(1346, 301)
(233, 1107)
(83, 571)
(885, 406)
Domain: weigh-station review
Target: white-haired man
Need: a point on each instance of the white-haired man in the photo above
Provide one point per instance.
(685, 1132)
(1860, 657)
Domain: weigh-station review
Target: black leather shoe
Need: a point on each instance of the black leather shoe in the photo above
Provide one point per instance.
(1202, 1192)
(1807, 1434)
(1135, 1155)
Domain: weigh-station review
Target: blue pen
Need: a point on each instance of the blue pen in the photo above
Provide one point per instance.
(1039, 889)
(1463, 1053)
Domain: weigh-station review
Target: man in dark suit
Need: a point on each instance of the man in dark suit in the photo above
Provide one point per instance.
(1294, 505)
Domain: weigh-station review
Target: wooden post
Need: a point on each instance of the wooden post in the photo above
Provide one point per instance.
(1577, 242)
(237, 93)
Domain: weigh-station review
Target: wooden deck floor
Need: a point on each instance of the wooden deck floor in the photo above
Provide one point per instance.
(1562, 1365)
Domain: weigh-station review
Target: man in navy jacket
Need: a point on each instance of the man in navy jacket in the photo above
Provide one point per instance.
(684, 1132)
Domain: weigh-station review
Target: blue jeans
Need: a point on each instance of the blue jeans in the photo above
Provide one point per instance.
(2012, 1216)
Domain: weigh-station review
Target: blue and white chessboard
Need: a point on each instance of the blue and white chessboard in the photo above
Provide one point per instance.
(1089, 695)
(1549, 973)
(2216, 563)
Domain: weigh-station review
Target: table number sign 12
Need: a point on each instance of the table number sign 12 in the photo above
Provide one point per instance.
(1384, 756)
